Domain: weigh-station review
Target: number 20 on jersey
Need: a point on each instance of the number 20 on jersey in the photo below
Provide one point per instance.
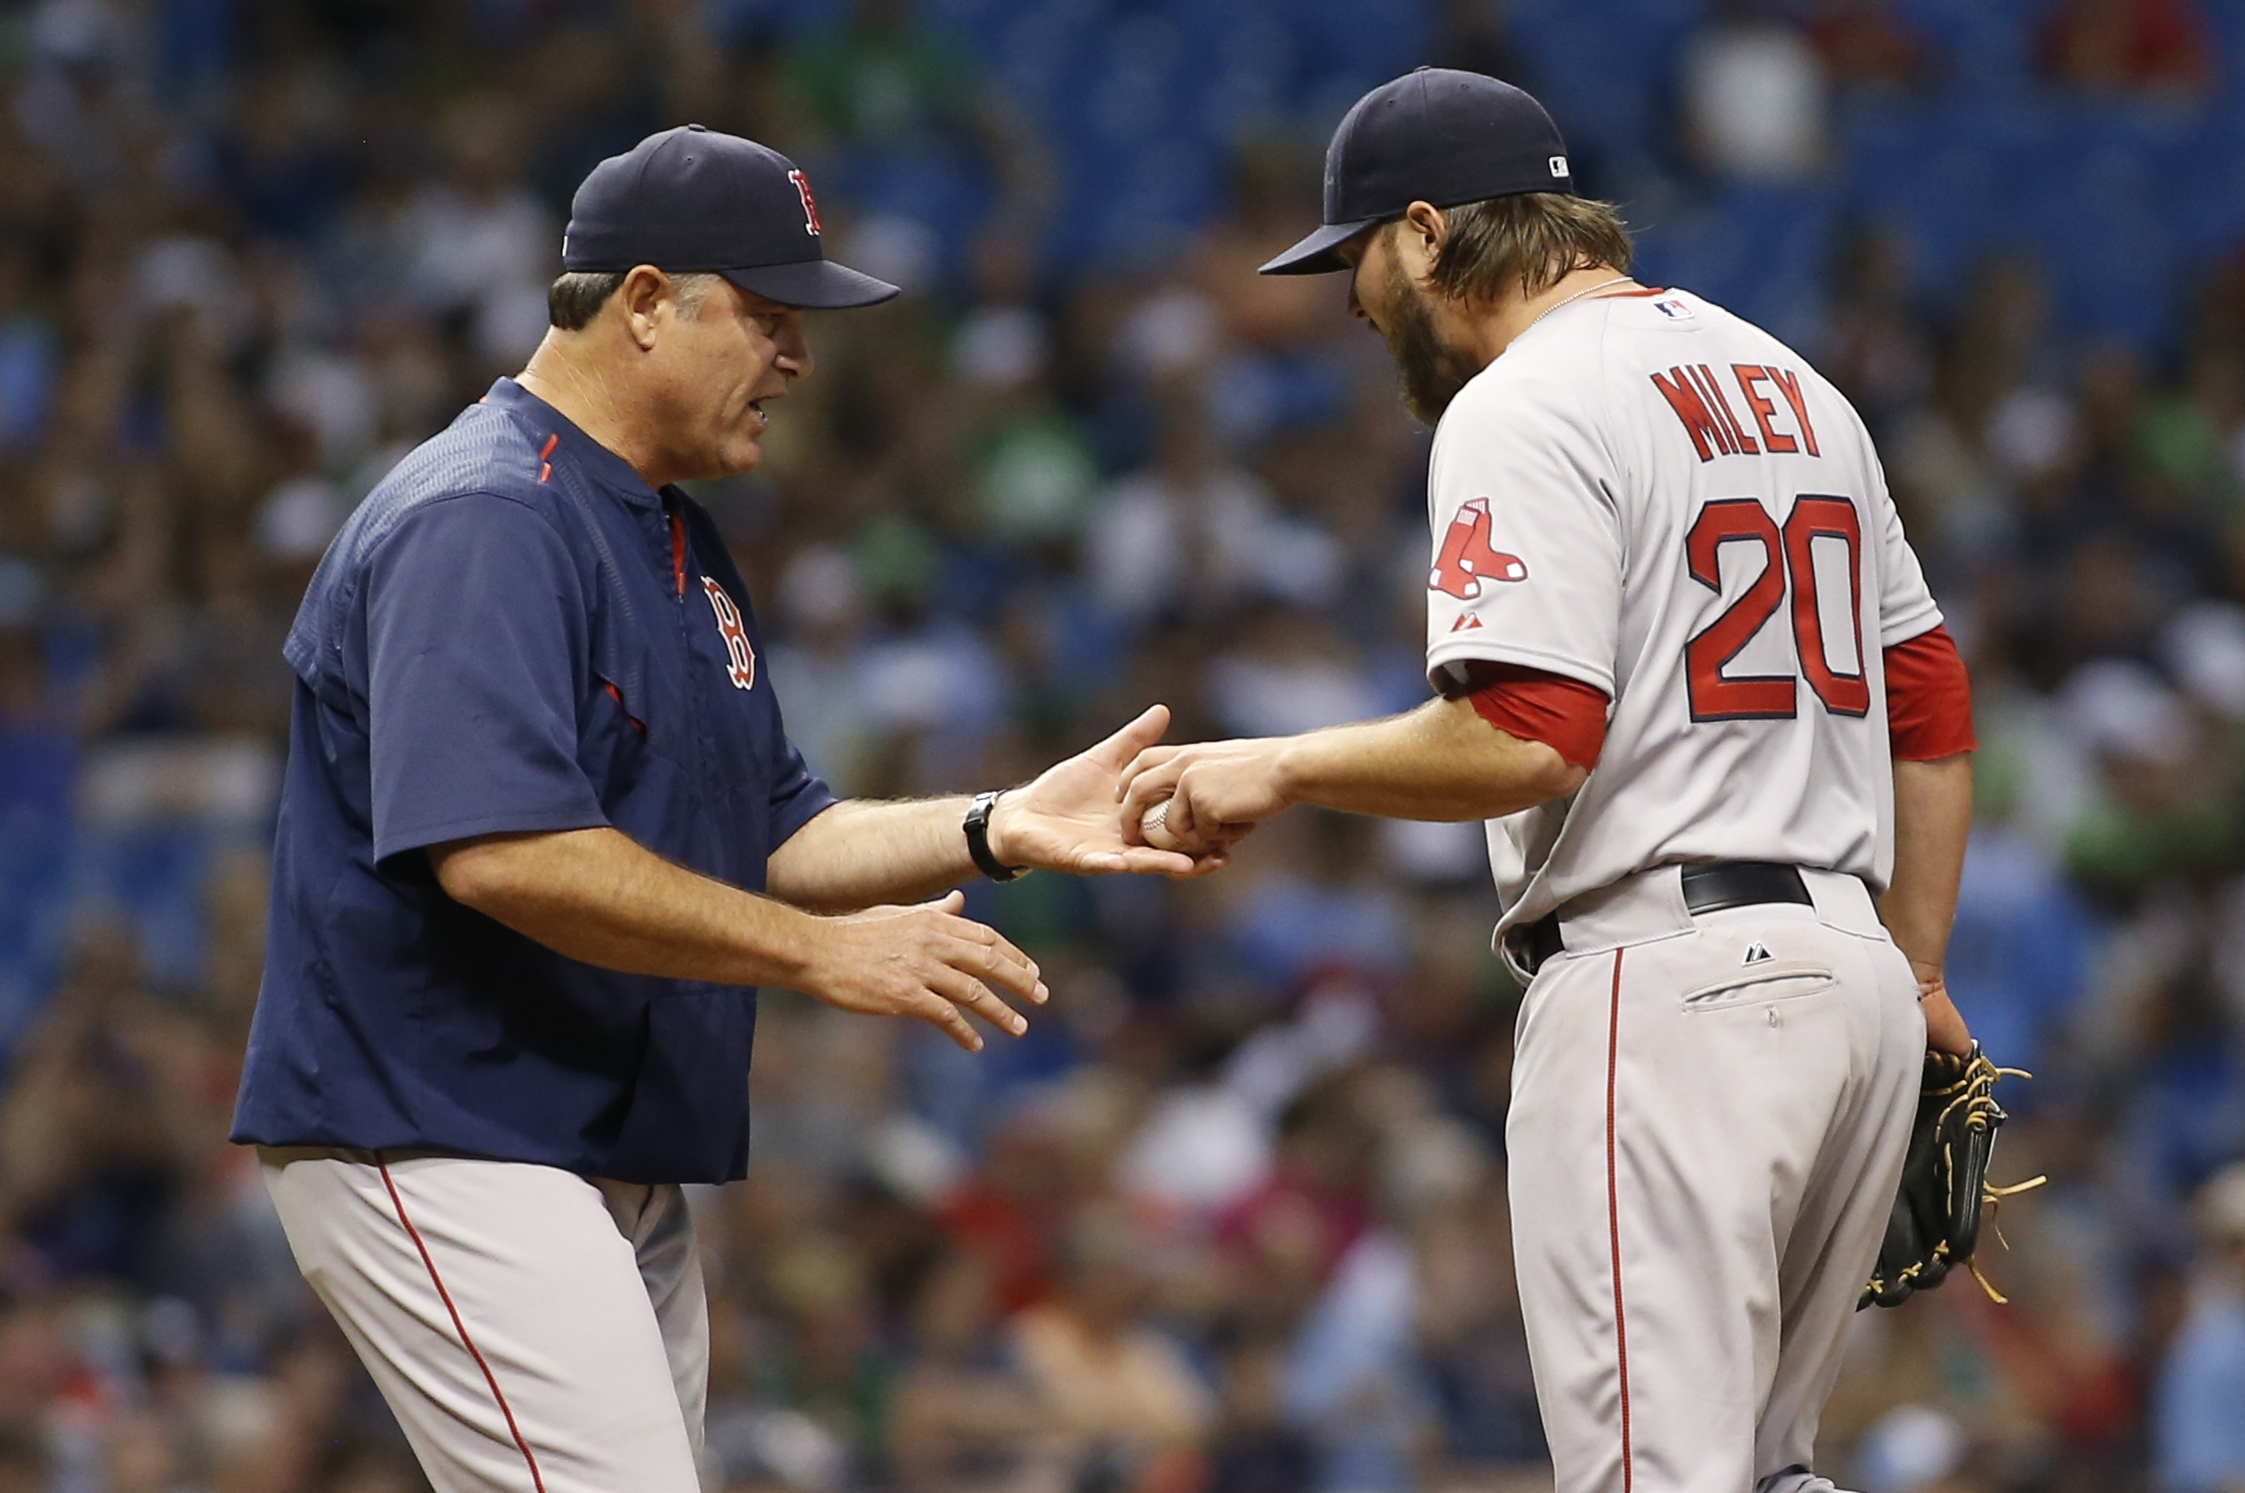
(1789, 567)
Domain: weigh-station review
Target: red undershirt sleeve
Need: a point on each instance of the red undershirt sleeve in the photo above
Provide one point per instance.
(1929, 704)
(1564, 714)
(1928, 699)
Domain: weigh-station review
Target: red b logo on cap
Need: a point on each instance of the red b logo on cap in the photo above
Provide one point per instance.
(810, 205)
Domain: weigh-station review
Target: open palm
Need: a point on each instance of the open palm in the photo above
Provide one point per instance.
(1068, 820)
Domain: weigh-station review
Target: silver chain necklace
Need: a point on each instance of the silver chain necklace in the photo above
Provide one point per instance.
(1578, 295)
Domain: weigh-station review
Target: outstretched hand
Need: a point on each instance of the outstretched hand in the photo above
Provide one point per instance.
(1069, 819)
(927, 962)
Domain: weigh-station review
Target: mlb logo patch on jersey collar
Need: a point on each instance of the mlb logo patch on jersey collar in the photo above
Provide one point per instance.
(1673, 308)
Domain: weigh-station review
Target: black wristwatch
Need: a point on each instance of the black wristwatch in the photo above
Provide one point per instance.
(978, 840)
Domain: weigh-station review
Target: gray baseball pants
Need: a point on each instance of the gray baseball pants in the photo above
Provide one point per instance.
(531, 1330)
(1707, 1127)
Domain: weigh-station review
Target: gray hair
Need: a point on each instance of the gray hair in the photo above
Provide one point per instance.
(573, 300)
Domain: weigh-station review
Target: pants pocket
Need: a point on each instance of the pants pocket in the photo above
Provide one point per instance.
(1778, 980)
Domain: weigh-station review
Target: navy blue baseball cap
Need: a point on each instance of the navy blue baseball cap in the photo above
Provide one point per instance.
(1436, 135)
(693, 201)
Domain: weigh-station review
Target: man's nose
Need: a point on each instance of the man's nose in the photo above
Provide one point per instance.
(793, 356)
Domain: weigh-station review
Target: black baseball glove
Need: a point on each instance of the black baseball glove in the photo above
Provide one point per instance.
(1935, 1224)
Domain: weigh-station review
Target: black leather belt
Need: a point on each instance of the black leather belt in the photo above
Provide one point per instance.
(1709, 886)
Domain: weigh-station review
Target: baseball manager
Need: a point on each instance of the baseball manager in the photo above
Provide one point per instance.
(543, 829)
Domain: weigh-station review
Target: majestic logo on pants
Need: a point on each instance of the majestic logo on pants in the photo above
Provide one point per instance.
(741, 668)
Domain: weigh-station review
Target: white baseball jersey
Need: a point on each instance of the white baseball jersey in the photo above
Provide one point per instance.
(1652, 496)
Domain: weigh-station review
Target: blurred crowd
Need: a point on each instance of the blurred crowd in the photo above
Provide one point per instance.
(1232, 1218)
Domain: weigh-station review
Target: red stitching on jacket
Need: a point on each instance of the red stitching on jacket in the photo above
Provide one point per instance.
(617, 695)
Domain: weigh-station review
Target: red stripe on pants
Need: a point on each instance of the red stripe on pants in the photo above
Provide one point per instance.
(1613, 1220)
(459, 1326)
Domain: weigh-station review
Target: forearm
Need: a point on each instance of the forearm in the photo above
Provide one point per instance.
(1932, 820)
(863, 852)
(1439, 762)
(600, 897)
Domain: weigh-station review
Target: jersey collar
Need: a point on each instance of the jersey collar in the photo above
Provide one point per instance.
(591, 458)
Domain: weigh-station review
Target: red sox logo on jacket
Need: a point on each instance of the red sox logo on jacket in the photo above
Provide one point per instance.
(1467, 557)
(742, 666)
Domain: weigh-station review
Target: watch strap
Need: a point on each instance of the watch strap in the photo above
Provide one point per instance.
(978, 840)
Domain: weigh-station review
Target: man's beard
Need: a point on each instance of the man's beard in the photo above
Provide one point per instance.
(1433, 371)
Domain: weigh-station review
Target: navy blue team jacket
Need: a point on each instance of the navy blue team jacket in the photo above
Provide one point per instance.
(513, 632)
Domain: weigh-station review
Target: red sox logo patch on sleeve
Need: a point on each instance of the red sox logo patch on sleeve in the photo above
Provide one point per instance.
(741, 665)
(1468, 558)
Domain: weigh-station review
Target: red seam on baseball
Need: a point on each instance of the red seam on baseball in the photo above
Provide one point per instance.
(459, 1326)
(1613, 1220)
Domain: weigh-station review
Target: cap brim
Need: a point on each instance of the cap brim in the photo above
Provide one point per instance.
(813, 284)
(1314, 255)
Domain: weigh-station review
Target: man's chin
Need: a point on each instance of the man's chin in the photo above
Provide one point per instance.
(735, 458)
(1428, 379)
(1427, 396)
(1426, 411)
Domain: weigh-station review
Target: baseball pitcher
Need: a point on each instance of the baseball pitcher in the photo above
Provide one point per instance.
(1690, 674)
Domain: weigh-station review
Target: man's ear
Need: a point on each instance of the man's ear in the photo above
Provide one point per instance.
(1419, 236)
(644, 290)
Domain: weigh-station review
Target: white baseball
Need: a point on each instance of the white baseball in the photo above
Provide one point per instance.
(1154, 825)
